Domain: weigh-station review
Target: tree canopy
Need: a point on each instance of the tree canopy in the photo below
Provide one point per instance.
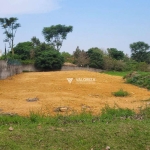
(139, 51)
(35, 41)
(24, 50)
(81, 57)
(55, 35)
(96, 58)
(67, 57)
(115, 54)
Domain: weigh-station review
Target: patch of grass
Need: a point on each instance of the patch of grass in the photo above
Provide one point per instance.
(121, 93)
(124, 73)
(115, 127)
(117, 73)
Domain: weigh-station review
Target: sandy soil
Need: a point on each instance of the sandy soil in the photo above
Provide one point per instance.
(53, 90)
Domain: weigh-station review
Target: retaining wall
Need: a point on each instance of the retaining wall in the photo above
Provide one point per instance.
(68, 68)
(8, 70)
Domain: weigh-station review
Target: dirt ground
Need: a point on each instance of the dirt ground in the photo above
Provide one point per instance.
(53, 90)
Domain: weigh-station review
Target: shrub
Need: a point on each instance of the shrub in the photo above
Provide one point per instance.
(140, 80)
(49, 60)
(120, 93)
(142, 66)
(113, 64)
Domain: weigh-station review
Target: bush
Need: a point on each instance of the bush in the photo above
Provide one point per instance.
(112, 64)
(142, 66)
(119, 65)
(49, 60)
(23, 50)
(120, 93)
(140, 80)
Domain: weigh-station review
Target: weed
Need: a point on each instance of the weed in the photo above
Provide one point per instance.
(121, 93)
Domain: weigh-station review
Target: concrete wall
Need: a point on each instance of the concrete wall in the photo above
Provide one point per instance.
(64, 68)
(8, 70)
(68, 68)
(29, 68)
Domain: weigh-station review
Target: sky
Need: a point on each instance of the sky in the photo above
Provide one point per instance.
(96, 23)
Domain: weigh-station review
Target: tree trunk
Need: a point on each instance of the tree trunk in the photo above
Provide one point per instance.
(12, 50)
(12, 42)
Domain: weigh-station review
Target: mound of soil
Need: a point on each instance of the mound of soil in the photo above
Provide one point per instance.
(67, 89)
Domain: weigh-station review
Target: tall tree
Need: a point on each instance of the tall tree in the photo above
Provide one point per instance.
(55, 35)
(10, 26)
(96, 58)
(80, 57)
(115, 54)
(139, 51)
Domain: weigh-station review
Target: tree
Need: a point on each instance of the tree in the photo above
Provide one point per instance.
(148, 58)
(96, 58)
(10, 26)
(24, 50)
(35, 41)
(55, 35)
(139, 51)
(49, 60)
(80, 57)
(67, 57)
(115, 54)
(95, 50)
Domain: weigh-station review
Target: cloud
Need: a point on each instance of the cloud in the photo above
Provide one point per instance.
(11, 7)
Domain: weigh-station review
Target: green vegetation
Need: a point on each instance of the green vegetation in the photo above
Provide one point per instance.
(81, 57)
(124, 73)
(96, 58)
(121, 93)
(49, 60)
(24, 50)
(142, 80)
(67, 57)
(140, 51)
(117, 128)
(139, 78)
(110, 60)
(114, 53)
(117, 73)
(55, 35)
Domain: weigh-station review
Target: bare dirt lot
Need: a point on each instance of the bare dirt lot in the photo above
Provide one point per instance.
(52, 90)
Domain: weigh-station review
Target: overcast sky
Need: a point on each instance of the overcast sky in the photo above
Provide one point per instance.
(96, 23)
